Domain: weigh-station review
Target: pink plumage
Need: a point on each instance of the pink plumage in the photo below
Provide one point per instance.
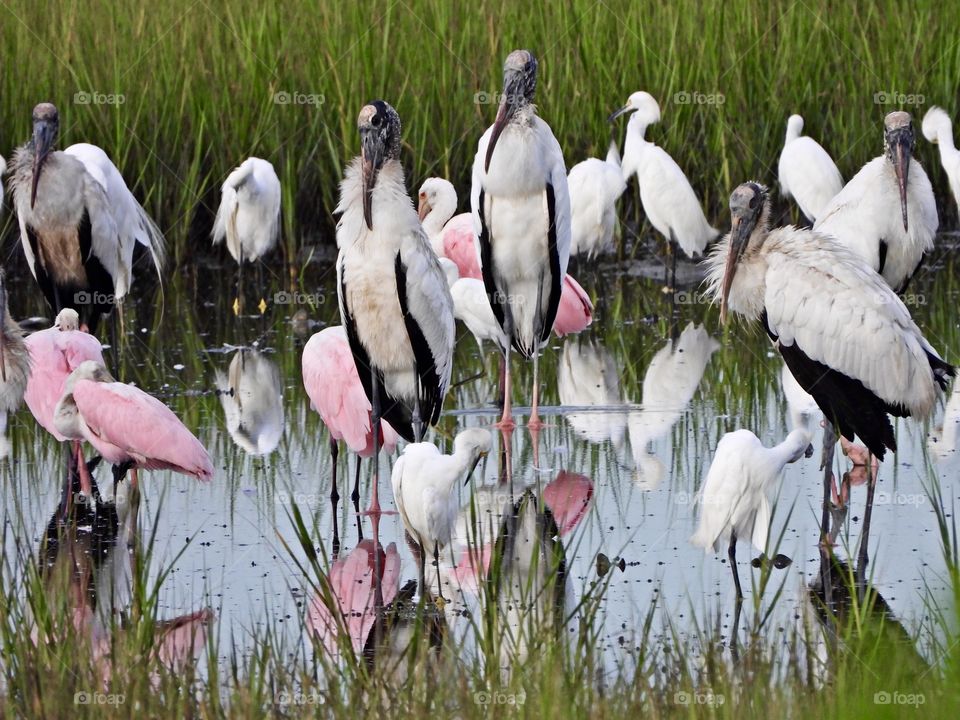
(55, 354)
(575, 311)
(459, 245)
(126, 424)
(335, 391)
(568, 497)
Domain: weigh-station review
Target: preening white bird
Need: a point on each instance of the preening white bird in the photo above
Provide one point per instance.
(938, 130)
(394, 300)
(887, 213)
(845, 335)
(801, 406)
(425, 484)
(249, 214)
(472, 307)
(733, 501)
(595, 186)
(79, 223)
(521, 212)
(668, 199)
(252, 400)
(807, 172)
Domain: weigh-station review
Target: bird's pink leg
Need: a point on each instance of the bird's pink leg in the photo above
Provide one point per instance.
(506, 420)
(534, 423)
(86, 482)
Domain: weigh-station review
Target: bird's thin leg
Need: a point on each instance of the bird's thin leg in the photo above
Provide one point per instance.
(535, 423)
(355, 495)
(417, 420)
(500, 392)
(238, 305)
(377, 566)
(67, 498)
(135, 509)
(86, 483)
(735, 631)
(374, 508)
(423, 573)
(826, 464)
(334, 493)
(673, 262)
(732, 557)
(863, 555)
(260, 279)
(506, 420)
(436, 559)
(335, 548)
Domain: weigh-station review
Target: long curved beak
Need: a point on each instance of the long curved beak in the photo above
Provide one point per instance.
(618, 112)
(43, 135)
(423, 209)
(902, 143)
(473, 467)
(739, 235)
(372, 154)
(504, 113)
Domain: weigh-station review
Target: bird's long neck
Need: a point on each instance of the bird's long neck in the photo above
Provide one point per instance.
(791, 449)
(945, 141)
(464, 457)
(439, 215)
(633, 145)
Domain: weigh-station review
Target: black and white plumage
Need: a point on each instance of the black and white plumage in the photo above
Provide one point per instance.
(938, 129)
(79, 223)
(845, 335)
(394, 299)
(887, 214)
(249, 214)
(521, 210)
(806, 171)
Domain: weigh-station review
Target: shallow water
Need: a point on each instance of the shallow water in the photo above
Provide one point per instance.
(635, 407)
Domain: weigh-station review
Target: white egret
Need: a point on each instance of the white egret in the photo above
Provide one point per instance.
(521, 210)
(807, 172)
(425, 484)
(79, 222)
(887, 213)
(733, 501)
(595, 186)
(938, 130)
(394, 300)
(668, 200)
(252, 400)
(812, 294)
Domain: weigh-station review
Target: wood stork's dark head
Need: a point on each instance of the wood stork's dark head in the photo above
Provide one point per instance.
(46, 125)
(898, 143)
(519, 87)
(379, 126)
(748, 211)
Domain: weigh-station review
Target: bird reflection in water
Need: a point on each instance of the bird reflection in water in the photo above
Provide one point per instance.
(250, 394)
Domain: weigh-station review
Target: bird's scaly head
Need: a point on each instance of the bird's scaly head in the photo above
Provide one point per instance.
(898, 142)
(519, 88)
(87, 370)
(749, 209)
(643, 104)
(46, 125)
(67, 320)
(379, 126)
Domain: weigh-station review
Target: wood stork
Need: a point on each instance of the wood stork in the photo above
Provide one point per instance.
(394, 300)
(887, 213)
(807, 172)
(668, 200)
(252, 399)
(15, 365)
(733, 501)
(808, 291)
(249, 214)
(79, 222)
(595, 186)
(425, 489)
(938, 130)
(521, 210)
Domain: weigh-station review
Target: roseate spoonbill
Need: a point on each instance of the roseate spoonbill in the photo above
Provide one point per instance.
(595, 186)
(668, 200)
(333, 385)
(394, 300)
(79, 222)
(938, 130)
(14, 366)
(425, 489)
(457, 242)
(127, 427)
(887, 213)
(807, 172)
(568, 496)
(733, 500)
(521, 211)
(808, 291)
(252, 400)
(249, 214)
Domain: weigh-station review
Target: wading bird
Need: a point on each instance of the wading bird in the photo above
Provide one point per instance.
(808, 291)
(668, 200)
(425, 489)
(938, 130)
(807, 172)
(887, 213)
(127, 427)
(249, 215)
(252, 399)
(14, 366)
(521, 211)
(733, 500)
(595, 186)
(394, 300)
(333, 385)
(79, 222)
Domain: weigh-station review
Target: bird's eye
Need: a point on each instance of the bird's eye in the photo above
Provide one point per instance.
(375, 120)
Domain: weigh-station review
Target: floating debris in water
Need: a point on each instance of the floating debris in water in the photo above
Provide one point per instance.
(604, 564)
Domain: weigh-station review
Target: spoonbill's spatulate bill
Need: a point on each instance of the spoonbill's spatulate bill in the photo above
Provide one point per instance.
(938, 129)
(887, 213)
(521, 210)
(394, 300)
(806, 171)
